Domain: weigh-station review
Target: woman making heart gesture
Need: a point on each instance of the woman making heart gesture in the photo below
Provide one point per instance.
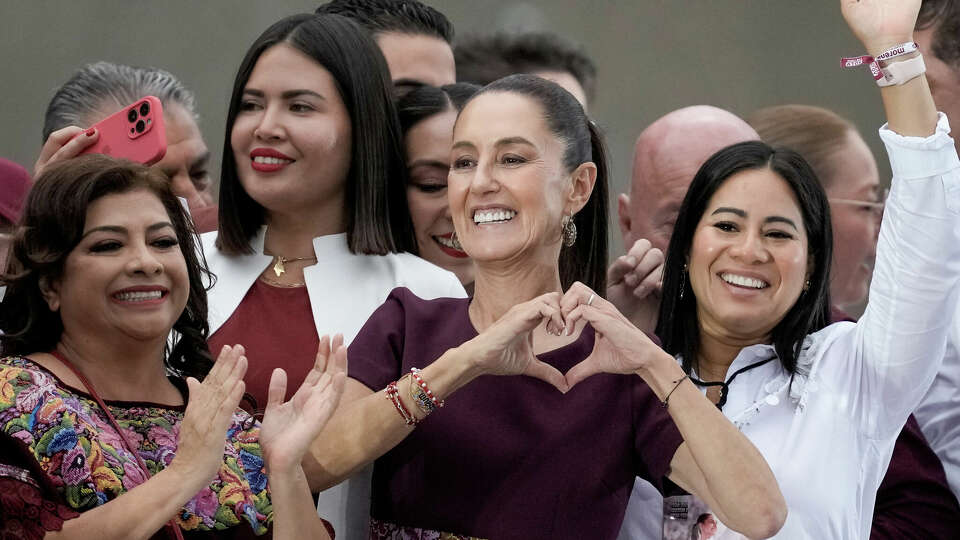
(523, 457)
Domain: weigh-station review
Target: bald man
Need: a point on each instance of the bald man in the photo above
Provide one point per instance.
(913, 495)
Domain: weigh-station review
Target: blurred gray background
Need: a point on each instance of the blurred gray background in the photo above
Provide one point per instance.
(653, 56)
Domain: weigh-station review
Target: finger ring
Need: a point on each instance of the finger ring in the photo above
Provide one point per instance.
(590, 300)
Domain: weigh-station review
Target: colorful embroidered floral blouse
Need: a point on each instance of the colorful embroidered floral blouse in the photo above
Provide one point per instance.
(82, 462)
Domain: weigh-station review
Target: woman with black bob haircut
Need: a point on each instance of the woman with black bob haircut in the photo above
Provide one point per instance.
(427, 115)
(313, 230)
(527, 193)
(104, 265)
(746, 305)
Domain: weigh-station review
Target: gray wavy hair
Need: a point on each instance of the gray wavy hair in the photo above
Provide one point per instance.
(109, 86)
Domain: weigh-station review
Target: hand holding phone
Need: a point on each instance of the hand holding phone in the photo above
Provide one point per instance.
(136, 132)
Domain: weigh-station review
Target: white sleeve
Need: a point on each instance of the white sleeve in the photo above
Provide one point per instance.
(889, 359)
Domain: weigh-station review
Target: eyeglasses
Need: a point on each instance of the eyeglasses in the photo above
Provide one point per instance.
(874, 207)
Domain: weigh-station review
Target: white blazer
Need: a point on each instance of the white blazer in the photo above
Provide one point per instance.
(344, 288)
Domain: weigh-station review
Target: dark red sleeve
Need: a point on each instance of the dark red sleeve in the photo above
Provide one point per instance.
(914, 500)
(29, 506)
(375, 355)
(656, 439)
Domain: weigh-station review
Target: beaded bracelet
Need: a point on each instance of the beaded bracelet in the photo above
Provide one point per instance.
(437, 403)
(393, 395)
(420, 397)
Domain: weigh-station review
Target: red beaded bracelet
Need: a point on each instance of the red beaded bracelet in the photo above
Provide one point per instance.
(393, 394)
(423, 384)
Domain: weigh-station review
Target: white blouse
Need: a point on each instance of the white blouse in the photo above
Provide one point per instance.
(828, 432)
(939, 412)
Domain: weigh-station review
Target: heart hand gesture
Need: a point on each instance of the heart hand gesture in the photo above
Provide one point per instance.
(620, 348)
(506, 347)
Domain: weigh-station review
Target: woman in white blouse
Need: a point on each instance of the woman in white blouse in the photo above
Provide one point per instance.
(746, 301)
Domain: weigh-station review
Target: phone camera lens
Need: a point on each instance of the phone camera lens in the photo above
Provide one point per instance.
(140, 126)
(132, 115)
(144, 108)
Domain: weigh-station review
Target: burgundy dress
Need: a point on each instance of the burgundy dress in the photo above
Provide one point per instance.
(509, 457)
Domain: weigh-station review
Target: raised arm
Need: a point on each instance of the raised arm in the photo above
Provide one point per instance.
(896, 349)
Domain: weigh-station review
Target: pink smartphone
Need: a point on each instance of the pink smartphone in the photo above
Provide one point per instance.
(136, 132)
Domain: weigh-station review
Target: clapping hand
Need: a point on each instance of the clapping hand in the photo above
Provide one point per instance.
(633, 284)
(289, 427)
(210, 409)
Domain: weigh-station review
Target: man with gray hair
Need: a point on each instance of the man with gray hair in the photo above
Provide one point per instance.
(100, 89)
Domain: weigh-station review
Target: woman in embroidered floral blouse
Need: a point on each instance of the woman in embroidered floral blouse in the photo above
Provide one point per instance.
(103, 266)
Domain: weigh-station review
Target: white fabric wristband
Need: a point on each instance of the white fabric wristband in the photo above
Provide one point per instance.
(899, 73)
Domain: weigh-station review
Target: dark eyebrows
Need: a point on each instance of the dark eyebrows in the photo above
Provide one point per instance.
(123, 230)
(743, 214)
(288, 94)
(728, 210)
(781, 219)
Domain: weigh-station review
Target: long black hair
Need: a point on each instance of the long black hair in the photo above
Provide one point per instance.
(679, 326)
(377, 216)
(50, 228)
(586, 260)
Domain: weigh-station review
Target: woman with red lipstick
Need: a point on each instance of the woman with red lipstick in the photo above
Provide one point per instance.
(105, 428)
(312, 232)
(314, 229)
(462, 444)
(746, 298)
(427, 115)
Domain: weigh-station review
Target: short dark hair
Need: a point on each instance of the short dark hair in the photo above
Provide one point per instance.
(679, 326)
(425, 101)
(943, 16)
(50, 228)
(377, 217)
(484, 59)
(103, 84)
(586, 260)
(403, 16)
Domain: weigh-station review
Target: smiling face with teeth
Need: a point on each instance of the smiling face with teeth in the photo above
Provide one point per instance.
(749, 258)
(508, 187)
(126, 275)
